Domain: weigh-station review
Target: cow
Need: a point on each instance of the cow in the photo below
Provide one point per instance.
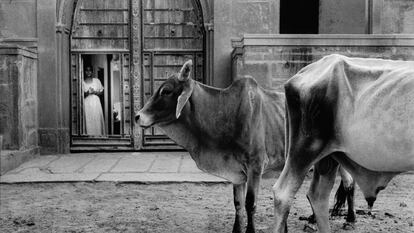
(354, 112)
(237, 133)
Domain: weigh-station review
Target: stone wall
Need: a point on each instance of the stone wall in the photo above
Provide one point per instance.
(233, 18)
(273, 59)
(397, 16)
(342, 17)
(18, 22)
(18, 98)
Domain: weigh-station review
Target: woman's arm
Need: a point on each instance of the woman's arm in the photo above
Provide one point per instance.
(99, 88)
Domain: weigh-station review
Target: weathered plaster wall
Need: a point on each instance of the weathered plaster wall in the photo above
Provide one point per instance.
(397, 16)
(342, 17)
(233, 18)
(33, 23)
(18, 99)
(273, 59)
(18, 19)
(18, 23)
(49, 94)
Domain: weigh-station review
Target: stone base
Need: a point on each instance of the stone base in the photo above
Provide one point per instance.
(10, 159)
(54, 141)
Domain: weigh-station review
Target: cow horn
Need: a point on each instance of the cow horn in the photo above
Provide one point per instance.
(185, 71)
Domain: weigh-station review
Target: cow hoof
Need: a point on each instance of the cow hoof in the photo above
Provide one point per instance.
(311, 219)
(250, 229)
(350, 218)
(310, 228)
(237, 228)
(348, 226)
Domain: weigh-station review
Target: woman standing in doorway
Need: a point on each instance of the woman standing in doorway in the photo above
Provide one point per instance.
(94, 120)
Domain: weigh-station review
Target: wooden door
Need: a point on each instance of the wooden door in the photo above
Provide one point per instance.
(172, 33)
(100, 38)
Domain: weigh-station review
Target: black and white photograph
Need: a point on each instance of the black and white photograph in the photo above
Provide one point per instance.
(206, 116)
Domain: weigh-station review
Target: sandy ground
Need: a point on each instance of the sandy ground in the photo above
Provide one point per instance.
(112, 207)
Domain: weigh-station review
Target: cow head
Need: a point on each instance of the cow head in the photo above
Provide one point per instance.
(167, 103)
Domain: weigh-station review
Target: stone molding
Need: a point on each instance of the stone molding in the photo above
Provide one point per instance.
(395, 40)
(24, 43)
(209, 26)
(54, 140)
(62, 28)
(14, 49)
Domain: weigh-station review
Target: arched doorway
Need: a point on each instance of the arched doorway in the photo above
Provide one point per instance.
(132, 47)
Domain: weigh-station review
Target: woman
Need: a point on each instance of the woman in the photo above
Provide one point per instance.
(94, 120)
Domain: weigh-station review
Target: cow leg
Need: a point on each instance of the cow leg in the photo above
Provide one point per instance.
(318, 195)
(284, 191)
(253, 185)
(345, 193)
(350, 217)
(239, 193)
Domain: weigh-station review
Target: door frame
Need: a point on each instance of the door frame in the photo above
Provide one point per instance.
(65, 12)
(105, 143)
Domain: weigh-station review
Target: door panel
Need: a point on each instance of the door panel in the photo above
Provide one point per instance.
(100, 38)
(157, 68)
(172, 34)
(126, 100)
(172, 25)
(76, 116)
(101, 24)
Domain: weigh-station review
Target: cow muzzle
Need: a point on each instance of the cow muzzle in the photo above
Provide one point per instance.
(143, 120)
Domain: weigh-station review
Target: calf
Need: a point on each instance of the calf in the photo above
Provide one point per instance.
(349, 111)
(236, 133)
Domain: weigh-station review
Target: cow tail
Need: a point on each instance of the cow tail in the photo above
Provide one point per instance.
(340, 197)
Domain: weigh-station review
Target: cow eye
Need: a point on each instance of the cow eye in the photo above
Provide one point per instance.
(165, 91)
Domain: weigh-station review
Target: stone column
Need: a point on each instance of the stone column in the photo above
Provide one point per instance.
(209, 27)
(53, 85)
(63, 88)
(18, 105)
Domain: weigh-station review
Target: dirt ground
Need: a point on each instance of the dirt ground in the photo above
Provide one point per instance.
(120, 207)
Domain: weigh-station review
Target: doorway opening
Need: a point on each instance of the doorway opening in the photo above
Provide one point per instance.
(106, 84)
(299, 16)
(100, 103)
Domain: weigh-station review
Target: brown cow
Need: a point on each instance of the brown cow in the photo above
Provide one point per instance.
(236, 133)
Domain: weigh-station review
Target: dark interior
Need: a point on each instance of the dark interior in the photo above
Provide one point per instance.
(299, 16)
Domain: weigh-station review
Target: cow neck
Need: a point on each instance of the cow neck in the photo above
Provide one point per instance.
(184, 131)
(204, 104)
(196, 122)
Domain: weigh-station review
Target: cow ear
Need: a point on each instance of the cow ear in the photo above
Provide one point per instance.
(185, 71)
(183, 98)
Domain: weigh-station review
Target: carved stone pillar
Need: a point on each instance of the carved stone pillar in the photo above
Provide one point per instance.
(63, 86)
(136, 68)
